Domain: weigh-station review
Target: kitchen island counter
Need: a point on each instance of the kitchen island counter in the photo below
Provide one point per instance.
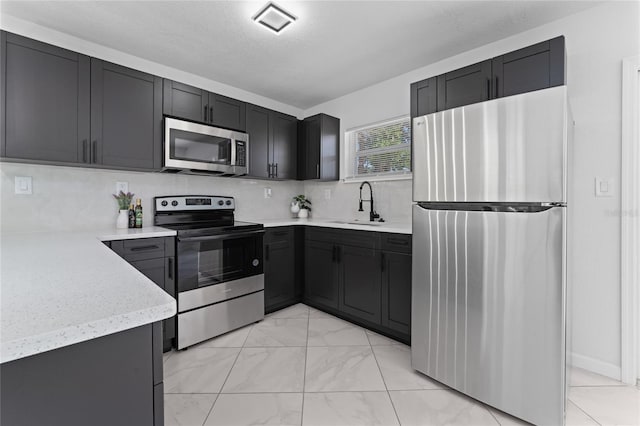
(62, 288)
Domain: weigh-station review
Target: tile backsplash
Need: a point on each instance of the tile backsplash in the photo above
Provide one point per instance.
(74, 198)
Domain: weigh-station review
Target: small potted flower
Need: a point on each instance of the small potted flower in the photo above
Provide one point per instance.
(304, 205)
(124, 201)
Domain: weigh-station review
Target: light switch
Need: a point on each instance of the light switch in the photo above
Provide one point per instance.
(267, 192)
(24, 185)
(604, 187)
(122, 186)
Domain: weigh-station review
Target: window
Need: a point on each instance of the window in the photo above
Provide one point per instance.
(382, 150)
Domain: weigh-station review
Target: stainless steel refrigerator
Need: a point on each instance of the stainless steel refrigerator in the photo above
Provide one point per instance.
(489, 252)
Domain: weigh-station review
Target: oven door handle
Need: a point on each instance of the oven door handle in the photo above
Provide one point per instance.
(221, 236)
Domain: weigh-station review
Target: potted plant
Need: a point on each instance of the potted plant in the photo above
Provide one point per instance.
(303, 204)
(124, 201)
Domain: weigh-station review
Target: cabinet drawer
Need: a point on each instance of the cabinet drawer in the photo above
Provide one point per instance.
(400, 243)
(366, 239)
(278, 234)
(139, 249)
(312, 233)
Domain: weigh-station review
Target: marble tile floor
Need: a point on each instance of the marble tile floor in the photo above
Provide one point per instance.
(301, 366)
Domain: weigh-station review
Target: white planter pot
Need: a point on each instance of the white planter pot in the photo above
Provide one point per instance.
(123, 219)
(303, 213)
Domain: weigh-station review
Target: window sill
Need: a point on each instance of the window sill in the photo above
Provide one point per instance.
(407, 176)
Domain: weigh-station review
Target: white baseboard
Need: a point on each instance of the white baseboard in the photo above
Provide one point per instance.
(596, 366)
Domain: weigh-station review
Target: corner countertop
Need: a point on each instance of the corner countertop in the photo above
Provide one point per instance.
(391, 227)
(61, 288)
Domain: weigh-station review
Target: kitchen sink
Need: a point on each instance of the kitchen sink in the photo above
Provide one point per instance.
(358, 222)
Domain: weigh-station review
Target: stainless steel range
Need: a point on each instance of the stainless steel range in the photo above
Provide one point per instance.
(220, 279)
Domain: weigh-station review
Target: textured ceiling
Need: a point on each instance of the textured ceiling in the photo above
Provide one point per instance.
(335, 47)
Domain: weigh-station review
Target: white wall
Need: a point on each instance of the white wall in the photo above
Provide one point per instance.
(597, 40)
(74, 198)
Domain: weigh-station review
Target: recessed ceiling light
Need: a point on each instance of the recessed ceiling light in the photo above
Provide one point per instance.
(274, 17)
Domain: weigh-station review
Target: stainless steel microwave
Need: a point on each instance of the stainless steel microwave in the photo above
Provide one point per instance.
(198, 148)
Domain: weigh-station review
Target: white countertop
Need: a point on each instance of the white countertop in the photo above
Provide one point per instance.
(392, 227)
(61, 288)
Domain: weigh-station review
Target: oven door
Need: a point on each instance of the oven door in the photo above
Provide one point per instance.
(213, 260)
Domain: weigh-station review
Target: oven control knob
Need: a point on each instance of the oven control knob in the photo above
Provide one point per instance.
(228, 202)
(164, 203)
(174, 203)
(220, 203)
(255, 262)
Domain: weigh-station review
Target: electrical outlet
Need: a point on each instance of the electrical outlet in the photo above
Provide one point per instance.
(23, 185)
(122, 186)
(603, 187)
(267, 192)
(327, 194)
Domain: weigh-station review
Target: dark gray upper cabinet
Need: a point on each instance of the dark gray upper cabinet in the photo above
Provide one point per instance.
(319, 148)
(227, 112)
(258, 124)
(283, 147)
(192, 103)
(423, 97)
(464, 86)
(44, 102)
(183, 101)
(272, 143)
(535, 67)
(126, 117)
(532, 68)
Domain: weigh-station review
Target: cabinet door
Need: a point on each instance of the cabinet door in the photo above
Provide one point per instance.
(360, 282)
(284, 140)
(45, 100)
(126, 117)
(329, 148)
(535, 67)
(423, 97)
(279, 267)
(321, 284)
(228, 113)
(154, 269)
(183, 101)
(258, 129)
(396, 291)
(312, 132)
(464, 86)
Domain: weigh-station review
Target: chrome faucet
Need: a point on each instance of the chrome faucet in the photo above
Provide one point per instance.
(372, 214)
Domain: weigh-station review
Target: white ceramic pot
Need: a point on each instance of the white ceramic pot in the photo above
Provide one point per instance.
(295, 208)
(303, 213)
(123, 219)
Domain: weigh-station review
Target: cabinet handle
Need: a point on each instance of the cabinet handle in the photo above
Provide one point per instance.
(266, 253)
(276, 169)
(398, 241)
(144, 248)
(317, 171)
(488, 88)
(170, 267)
(84, 150)
(496, 86)
(94, 152)
(204, 114)
(382, 260)
(269, 169)
(211, 114)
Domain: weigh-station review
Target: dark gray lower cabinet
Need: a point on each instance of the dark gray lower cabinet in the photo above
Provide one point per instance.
(321, 277)
(364, 277)
(279, 268)
(155, 258)
(360, 294)
(111, 380)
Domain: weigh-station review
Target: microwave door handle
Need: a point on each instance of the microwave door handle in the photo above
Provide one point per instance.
(221, 236)
(234, 146)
